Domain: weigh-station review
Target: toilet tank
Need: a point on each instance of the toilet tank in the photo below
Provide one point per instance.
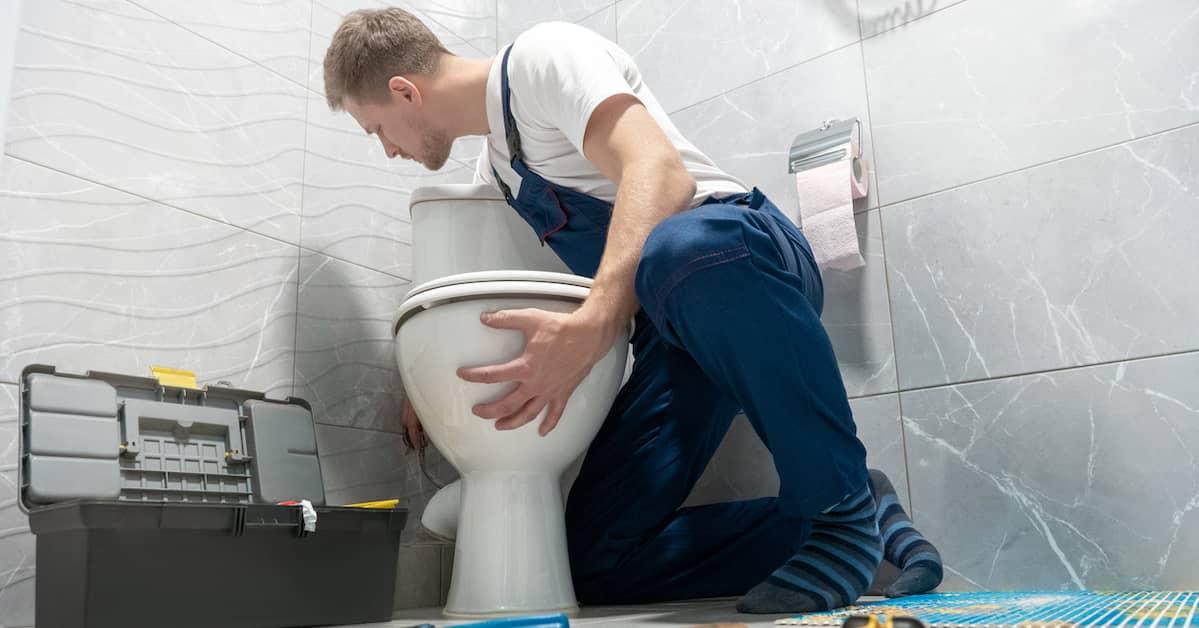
(462, 228)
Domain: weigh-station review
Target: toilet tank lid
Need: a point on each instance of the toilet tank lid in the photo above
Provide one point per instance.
(455, 192)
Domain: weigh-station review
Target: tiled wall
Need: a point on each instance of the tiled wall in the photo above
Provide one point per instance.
(1020, 349)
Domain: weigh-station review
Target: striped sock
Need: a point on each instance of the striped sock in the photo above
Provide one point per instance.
(903, 545)
(833, 567)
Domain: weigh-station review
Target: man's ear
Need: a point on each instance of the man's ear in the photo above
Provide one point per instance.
(405, 89)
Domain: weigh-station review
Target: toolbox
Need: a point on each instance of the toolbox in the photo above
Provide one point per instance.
(155, 503)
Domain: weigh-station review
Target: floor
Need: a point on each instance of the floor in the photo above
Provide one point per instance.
(653, 615)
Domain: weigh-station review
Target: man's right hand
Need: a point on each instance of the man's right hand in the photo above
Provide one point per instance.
(414, 433)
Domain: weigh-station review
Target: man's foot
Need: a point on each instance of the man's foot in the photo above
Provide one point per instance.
(832, 569)
(440, 518)
(903, 545)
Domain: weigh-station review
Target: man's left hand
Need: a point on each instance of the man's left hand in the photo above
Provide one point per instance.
(559, 352)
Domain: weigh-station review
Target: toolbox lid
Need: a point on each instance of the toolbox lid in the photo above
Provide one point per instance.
(107, 436)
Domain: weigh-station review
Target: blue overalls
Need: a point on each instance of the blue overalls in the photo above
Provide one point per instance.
(730, 319)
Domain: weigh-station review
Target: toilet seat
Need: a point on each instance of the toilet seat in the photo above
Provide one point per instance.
(491, 283)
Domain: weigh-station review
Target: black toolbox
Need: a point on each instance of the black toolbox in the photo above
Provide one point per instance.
(155, 505)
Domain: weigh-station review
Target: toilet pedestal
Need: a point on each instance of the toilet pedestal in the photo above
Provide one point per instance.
(511, 556)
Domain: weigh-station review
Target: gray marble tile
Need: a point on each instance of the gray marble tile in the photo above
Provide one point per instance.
(345, 357)
(734, 42)
(857, 315)
(602, 22)
(474, 21)
(877, 16)
(742, 467)
(273, 33)
(749, 134)
(447, 571)
(17, 544)
(116, 94)
(516, 17)
(96, 279)
(990, 86)
(1075, 262)
(1084, 478)
(418, 577)
(356, 200)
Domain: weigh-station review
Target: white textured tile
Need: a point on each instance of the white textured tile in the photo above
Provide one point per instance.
(516, 17)
(116, 94)
(734, 42)
(989, 86)
(750, 135)
(356, 200)
(1076, 262)
(877, 16)
(17, 559)
(474, 21)
(345, 357)
(93, 278)
(271, 32)
(1085, 478)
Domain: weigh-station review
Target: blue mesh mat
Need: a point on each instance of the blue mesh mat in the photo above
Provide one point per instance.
(1032, 609)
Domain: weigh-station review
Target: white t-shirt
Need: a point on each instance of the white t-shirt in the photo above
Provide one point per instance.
(558, 74)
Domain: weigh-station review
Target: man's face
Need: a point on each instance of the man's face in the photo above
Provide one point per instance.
(399, 123)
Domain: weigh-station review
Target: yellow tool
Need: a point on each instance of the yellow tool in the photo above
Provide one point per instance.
(179, 378)
(383, 504)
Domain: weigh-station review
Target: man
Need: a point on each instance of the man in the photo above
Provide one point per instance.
(725, 294)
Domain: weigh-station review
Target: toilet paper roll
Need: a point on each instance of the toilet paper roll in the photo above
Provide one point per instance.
(826, 212)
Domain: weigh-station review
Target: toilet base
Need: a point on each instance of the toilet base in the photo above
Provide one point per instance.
(511, 555)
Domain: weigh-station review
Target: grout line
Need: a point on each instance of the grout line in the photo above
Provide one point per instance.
(209, 218)
(295, 337)
(355, 427)
(1039, 164)
(903, 432)
(764, 77)
(909, 22)
(218, 44)
(1058, 369)
(610, 5)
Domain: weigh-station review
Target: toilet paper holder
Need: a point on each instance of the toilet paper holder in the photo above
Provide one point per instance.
(833, 141)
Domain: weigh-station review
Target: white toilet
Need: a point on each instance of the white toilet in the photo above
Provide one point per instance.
(471, 254)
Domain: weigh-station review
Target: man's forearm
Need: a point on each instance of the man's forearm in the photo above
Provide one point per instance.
(649, 193)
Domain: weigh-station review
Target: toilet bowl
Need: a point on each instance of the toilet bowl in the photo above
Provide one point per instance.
(473, 254)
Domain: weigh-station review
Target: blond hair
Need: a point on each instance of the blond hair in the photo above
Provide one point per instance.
(373, 45)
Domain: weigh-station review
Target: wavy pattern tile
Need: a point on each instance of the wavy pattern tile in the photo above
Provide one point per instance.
(17, 556)
(1076, 262)
(272, 32)
(356, 200)
(345, 357)
(1085, 478)
(110, 92)
(93, 278)
(472, 20)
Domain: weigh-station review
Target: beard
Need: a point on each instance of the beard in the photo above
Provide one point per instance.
(436, 147)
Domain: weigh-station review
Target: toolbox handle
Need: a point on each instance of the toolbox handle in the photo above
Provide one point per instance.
(241, 523)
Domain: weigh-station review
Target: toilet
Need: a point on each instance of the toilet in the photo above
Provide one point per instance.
(471, 254)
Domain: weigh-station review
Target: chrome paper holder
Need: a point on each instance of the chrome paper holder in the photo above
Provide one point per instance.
(833, 141)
